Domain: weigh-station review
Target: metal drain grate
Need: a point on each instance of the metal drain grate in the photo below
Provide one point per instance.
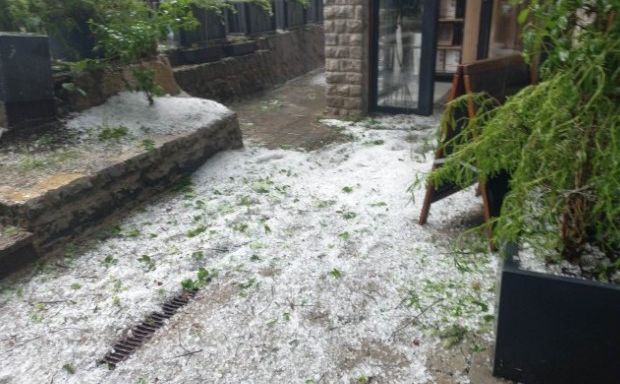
(142, 332)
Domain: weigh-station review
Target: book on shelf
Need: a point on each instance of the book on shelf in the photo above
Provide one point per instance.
(447, 9)
(445, 34)
(440, 61)
(452, 59)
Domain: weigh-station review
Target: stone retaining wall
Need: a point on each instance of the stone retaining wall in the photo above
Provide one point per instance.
(96, 86)
(280, 57)
(62, 213)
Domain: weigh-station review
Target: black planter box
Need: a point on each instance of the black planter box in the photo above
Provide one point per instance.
(201, 55)
(235, 22)
(314, 12)
(73, 43)
(556, 329)
(26, 86)
(250, 19)
(211, 27)
(296, 14)
(175, 57)
(240, 49)
(289, 14)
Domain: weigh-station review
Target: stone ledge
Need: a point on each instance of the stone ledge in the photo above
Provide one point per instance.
(64, 205)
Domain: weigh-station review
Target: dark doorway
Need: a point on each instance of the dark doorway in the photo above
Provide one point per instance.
(484, 39)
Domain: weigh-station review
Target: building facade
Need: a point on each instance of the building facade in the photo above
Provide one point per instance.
(394, 55)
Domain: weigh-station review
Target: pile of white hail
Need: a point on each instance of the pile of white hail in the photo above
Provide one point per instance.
(130, 110)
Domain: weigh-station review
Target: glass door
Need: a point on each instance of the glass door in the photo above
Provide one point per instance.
(403, 55)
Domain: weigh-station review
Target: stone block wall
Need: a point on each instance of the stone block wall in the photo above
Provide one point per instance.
(346, 56)
(98, 85)
(71, 209)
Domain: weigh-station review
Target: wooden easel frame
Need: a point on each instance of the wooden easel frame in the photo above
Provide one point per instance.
(463, 84)
(432, 194)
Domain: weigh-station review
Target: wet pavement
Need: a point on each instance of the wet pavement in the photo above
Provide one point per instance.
(288, 117)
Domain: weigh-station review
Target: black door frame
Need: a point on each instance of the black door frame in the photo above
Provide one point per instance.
(484, 36)
(427, 62)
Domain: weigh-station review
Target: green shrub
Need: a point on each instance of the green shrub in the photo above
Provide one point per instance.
(122, 31)
(559, 139)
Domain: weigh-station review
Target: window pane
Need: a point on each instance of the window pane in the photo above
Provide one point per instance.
(400, 51)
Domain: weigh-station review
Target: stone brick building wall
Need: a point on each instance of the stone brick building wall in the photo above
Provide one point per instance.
(346, 56)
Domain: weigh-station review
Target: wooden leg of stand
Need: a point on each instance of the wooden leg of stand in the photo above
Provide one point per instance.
(486, 210)
(426, 207)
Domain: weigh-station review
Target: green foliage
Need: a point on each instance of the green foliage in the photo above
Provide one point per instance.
(559, 140)
(198, 255)
(120, 31)
(335, 273)
(148, 145)
(127, 30)
(123, 30)
(196, 231)
(203, 277)
(147, 262)
(453, 335)
(113, 133)
(71, 88)
(109, 261)
(248, 284)
(264, 4)
(374, 142)
(133, 232)
(48, 16)
(240, 227)
(15, 16)
(145, 82)
(185, 186)
(69, 368)
(379, 204)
